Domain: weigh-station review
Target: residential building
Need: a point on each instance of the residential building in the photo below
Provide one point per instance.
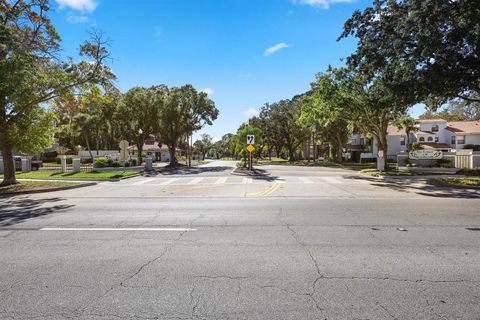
(434, 134)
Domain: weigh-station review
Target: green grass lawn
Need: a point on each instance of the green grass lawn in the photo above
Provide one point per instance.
(394, 173)
(82, 175)
(24, 186)
(457, 181)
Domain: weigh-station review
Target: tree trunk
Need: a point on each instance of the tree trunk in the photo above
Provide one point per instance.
(173, 158)
(340, 149)
(8, 166)
(140, 150)
(88, 145)
(407, 141)
(291, 155)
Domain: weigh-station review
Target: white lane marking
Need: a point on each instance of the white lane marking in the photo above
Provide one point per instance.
(118, 229)
(195, 181)
(168, 181)
(141, 182)
(331, 180)
(221, 180)
(305, 180)
(247, 180)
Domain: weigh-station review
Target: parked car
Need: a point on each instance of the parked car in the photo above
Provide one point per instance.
(35, 163)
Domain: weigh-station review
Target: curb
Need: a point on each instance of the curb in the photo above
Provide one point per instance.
(266, 174)
(80, 185)
(81, 179)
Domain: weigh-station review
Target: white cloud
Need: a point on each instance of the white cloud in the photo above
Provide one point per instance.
(275, 48)
(79, 5)
(208, 91)
(250, 112)
(77, 19)
(321, 3)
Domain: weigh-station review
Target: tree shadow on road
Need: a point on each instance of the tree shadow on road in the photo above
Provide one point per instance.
(423, 188)
(17, 210)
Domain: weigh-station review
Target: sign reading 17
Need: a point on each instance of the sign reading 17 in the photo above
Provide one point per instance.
(250, 139)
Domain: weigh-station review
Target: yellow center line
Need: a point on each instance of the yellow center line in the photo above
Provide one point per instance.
(266, 192)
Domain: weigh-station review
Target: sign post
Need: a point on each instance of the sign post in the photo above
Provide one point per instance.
(250, 148)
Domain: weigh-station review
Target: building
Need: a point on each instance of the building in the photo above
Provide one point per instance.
(433, 134)
(152, 148)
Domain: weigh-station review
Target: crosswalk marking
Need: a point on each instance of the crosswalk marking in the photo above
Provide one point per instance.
(221, 180)
(141, 182)
(195, 181)
(247, 180)
(310, 180)
(305, 180)
(331, 180)
(168, 181)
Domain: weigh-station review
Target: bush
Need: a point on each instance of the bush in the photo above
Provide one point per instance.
(133, 162)
(445, 163)
(100, 162)
(86, 160)
(475, 147)
(116, 164)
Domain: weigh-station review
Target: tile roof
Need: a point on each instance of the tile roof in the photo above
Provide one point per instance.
(464, 126)
(431, 120)
(394, 131)
(435, 145)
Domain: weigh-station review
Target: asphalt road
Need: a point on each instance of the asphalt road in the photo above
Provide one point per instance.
(305, 243)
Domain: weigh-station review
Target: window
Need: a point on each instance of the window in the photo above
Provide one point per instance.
(362, 141)
(452, 141)
(402, 140)
(435, 128)
(436, 139)
(422, 139)
(353, 142)
(430, 139)
(460, 139)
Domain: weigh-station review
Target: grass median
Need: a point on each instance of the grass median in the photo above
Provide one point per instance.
(77, 175)
(468, 182)
(29, 186)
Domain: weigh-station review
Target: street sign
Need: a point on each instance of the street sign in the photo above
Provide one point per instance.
(250, 148)
(250, 139)
(123, 150)
(425, 155)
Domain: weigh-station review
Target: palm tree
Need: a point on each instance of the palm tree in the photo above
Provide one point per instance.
(410, 125)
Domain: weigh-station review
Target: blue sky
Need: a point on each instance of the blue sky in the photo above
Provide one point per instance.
(244, 53)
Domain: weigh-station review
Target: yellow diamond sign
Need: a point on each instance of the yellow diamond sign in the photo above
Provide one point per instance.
(250, 148)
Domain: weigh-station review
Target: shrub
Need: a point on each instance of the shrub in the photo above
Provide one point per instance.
(133, 162)
(116, 164)
(100, 162)
(416, 146)
(445, 163)
(475, 147)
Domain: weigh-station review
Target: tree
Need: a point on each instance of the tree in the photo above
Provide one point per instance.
(425, 50)
(323, 111)
(240, 140)
(183, 111)
(281, 126)
(138, 114)
(372, 106)
(410, 125)
(457, 110)
(204, 145)
(31, 74)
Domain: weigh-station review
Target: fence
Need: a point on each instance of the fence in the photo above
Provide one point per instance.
(87, 167)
